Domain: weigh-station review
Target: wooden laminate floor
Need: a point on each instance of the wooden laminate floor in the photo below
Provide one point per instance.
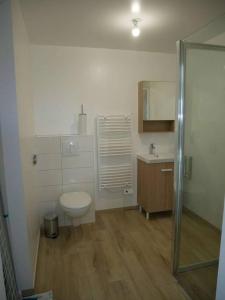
(121, 256)
(200, 241)
(124, 256)
(200, 283)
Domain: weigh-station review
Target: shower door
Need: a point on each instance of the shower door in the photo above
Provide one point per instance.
(200, 167)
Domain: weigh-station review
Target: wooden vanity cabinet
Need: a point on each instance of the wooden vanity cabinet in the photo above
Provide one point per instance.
(155, 186)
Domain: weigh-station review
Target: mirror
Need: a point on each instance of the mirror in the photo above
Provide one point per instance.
(158, 100)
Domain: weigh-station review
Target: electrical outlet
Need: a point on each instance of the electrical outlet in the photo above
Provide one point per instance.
(128, 191)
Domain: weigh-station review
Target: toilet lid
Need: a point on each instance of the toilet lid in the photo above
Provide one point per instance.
(75, 200)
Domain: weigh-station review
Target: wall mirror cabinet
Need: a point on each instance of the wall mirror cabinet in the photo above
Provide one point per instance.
(156, 106)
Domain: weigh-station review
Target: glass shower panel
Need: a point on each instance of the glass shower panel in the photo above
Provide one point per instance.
(204, 159)
(200, 168)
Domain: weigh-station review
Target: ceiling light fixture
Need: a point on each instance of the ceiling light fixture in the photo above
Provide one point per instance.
(135, 30)
(135, 7)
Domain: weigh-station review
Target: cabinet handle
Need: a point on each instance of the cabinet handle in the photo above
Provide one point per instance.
(166, 170)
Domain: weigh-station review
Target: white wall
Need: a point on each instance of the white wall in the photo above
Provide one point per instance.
(105, 81)
(16, 141)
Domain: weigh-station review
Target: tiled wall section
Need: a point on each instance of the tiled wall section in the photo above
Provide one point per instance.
(65, 164)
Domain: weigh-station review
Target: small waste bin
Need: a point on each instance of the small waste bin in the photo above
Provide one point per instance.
(51, 226)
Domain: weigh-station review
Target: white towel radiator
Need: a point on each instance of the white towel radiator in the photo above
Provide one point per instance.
(114, 138)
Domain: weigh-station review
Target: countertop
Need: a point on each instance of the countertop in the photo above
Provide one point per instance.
(158, 158)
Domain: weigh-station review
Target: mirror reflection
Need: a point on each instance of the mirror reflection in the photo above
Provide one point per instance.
(159, 100)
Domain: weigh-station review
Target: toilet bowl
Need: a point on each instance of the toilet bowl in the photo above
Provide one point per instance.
(75, 205)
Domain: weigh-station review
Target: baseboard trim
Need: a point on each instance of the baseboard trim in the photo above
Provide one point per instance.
(133, 207)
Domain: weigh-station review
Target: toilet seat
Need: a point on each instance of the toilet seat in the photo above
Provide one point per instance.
(75, 200)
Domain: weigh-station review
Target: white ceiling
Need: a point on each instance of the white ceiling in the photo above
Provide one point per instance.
(107, 23)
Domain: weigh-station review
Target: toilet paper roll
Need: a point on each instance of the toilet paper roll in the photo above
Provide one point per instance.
(82, 123)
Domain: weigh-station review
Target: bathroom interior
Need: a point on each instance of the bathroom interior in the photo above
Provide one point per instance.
(112, 149)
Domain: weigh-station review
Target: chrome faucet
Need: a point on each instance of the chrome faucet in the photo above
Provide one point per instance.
(152, 149)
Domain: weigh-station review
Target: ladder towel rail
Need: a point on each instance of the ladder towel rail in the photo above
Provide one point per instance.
(114, 146)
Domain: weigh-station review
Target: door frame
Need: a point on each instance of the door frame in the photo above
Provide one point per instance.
(179, 162)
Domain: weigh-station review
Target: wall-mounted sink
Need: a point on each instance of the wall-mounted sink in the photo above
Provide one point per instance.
(156, 158)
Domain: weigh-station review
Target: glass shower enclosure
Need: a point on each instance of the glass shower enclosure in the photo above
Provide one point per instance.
(200, 167)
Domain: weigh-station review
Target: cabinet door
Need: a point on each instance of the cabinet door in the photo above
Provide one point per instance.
(140, 183)
(158, 187)
(166, 182)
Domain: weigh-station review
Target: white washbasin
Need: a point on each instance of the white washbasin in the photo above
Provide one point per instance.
(158, 158)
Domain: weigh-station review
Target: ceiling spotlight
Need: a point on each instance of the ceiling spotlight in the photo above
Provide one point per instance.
(135, 7)
(135, 30)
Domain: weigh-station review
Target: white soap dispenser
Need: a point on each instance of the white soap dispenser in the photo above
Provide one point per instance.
(82, 121)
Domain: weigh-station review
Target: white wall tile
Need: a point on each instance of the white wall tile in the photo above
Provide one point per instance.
(60, 213)
(67, 221)
(52, 207)
(49, 193)
(82, 160)
(45, 208)
(77, 175)
(49, 177)
(47, 145)
(90, 216)
(86, 143)
(75, 171)
(48, 161)
(87, 187)
(83, 143)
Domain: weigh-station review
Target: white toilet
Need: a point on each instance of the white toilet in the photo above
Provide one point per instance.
(75, 205)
